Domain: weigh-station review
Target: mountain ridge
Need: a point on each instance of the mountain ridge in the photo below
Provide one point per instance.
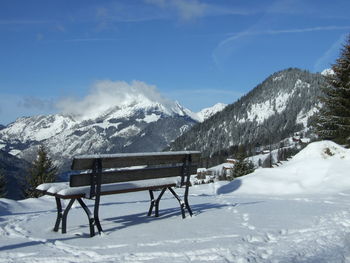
(275, 109)
(117, 129)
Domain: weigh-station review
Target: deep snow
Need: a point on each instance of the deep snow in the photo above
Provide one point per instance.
(298, 212)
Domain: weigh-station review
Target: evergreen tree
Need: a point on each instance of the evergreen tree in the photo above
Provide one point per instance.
(242, 167)
(41, 171)
(334, 118)
(3, 191)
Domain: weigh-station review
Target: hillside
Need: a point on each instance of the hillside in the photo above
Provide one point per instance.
(274, 110)
(294, 221)
(15, 171)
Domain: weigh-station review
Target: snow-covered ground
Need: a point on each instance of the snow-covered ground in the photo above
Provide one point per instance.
(302, 215)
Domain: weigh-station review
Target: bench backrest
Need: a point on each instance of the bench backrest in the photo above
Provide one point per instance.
(115, 168)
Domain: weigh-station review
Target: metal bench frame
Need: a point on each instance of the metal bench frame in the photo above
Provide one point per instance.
(95, 191)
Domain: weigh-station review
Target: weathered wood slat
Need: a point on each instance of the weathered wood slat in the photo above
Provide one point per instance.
(129, 175)
(137, 189)
(70, 196)
(85, 162)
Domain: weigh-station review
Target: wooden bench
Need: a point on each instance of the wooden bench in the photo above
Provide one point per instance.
(108, 174)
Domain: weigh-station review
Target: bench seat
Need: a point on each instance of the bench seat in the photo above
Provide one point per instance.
(64, 191)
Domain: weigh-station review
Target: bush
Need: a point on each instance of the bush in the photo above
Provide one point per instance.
(242, 167)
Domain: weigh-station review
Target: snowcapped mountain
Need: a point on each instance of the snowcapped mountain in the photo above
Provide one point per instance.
(206, 113)
(274, 110)
(139, 122)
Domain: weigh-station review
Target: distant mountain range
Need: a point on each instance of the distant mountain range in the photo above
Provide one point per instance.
(138, 125)
(280, 106)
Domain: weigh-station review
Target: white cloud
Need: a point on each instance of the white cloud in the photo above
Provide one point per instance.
(107, 94)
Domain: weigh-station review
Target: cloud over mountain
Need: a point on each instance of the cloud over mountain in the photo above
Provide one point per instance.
(107, 94)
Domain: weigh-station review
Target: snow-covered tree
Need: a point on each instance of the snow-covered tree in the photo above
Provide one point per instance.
(41, 171)
(242, 167)
(334, 118)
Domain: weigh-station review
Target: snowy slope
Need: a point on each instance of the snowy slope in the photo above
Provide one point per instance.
(319, 168)
(206, 113)
(230, 224)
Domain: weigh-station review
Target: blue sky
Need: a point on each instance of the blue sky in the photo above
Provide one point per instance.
(196, 52)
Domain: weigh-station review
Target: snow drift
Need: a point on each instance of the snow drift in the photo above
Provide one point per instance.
(319, 168)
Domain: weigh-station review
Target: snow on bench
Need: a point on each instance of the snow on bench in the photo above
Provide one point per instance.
(65, 191)
(107, 174)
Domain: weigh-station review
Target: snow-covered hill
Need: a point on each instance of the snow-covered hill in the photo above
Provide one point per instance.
(206, 113)
(319, 168)
(116, 117)
(247, 221)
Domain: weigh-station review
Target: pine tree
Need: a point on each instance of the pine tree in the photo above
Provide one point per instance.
(334, 118)
(41, 171)
(242, 167)
(3, 191)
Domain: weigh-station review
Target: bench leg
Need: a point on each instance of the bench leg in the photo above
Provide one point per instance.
(59, 214)
(186, 201)
(65, 214)
(182, 205)
(62, 217)
(96, 217)
(156, 212)
(90, 217)
(152, 203)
